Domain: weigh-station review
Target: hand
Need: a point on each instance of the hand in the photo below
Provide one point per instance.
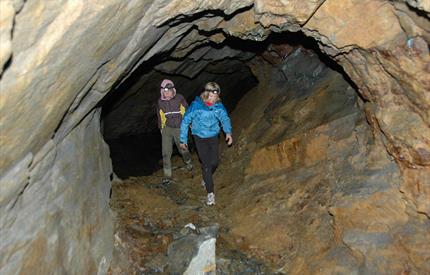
(183, 146)
(229, 139)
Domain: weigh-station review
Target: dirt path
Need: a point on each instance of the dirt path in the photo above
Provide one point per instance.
(149, 214)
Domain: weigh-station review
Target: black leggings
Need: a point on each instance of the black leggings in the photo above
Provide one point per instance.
(207, 148)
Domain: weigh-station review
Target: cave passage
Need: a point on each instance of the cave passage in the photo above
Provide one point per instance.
(329, 172)
(285, 99)
(129, 111)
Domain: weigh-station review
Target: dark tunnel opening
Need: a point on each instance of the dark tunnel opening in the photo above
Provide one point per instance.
(138, 153)
(129, 110)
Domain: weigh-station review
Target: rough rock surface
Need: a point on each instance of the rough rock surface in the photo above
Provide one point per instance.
(193, 253)
(58, 220)
(317, 183)
(308, 187)
(151, 216)
(58, 59)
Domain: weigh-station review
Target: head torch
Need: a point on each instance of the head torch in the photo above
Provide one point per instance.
(215, 91)
(169, 86)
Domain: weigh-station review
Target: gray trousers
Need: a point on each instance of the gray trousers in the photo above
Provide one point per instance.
(168, 136)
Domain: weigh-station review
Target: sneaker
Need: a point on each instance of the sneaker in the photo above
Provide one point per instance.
(166, 181)
(189, 166)
(203, 184)
(211, 199)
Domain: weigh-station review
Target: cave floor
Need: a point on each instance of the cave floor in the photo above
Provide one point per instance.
(148, 214)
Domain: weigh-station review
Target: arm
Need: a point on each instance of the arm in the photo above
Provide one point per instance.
(184, 102)
(226, 124)
(183, 105)
(157, 110)
(225, 120)
(185, 124)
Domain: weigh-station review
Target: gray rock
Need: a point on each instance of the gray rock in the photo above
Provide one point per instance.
(204, 261)
(193, 253)
(420, 4)
(62, 197)
(13, 183)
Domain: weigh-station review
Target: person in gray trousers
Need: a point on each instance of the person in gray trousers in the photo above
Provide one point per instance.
(171, 108)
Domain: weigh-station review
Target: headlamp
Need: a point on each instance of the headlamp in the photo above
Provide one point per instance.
(215, 91)
(169, 86)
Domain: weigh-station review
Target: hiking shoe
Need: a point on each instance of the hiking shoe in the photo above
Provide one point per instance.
(166, 181)
(211, 199)
(189, 166)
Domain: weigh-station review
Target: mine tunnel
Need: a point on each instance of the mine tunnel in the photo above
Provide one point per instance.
(292, 60)
(329, 171)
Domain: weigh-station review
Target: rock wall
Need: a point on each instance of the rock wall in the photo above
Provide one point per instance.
(54, 207)
(58, 59)
(311, 187)
(64, 55)
(383, 47)
(384, 50)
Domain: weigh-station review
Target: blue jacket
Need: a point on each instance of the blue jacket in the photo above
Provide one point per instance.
(205, 120)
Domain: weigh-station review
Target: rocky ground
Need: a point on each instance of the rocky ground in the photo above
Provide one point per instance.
(150, 214)
(307, 188)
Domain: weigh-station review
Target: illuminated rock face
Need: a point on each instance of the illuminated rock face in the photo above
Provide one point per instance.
(59, 59)
(58, 219)
(317, 191)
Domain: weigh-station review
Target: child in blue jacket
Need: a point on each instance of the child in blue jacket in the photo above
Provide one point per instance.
(205, 114)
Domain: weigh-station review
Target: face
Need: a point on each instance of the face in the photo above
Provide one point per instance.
(212, 98)
(168, 93)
